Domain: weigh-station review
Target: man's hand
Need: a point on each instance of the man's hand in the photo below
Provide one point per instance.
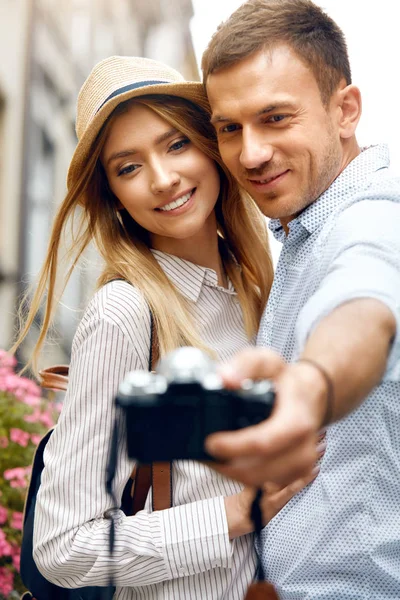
(275, 497)
(282, 448)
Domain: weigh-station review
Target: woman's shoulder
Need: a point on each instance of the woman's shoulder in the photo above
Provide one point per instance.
(120, 304)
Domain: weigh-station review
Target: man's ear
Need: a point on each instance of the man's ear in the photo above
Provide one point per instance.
(350, 107)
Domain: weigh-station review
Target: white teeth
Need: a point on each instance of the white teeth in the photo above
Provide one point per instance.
(179, 202)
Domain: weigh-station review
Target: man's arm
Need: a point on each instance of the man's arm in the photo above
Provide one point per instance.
(351, 344)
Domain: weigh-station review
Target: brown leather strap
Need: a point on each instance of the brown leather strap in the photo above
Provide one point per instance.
(154, 345)
(261, 590)
(159, 474)
(54, 378)
(141, 476)
(162, 485)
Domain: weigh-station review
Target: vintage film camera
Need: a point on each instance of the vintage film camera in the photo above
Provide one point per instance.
(169, 413)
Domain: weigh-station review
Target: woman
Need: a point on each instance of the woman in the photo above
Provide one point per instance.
(176, 236)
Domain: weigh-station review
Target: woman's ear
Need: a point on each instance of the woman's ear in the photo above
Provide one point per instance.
(350, 105)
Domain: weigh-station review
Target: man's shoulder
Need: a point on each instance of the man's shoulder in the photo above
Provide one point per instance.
(373, 206)
(383, 184)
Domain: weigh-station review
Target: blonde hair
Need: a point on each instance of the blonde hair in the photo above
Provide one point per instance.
(91, 209)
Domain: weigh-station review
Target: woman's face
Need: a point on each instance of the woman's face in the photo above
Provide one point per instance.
(166, 183)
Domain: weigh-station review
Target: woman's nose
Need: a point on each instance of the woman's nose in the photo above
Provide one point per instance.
(164, 180)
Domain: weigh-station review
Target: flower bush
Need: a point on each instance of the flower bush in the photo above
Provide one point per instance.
(24, 417)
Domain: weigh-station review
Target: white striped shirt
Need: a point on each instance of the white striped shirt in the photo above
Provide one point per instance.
(180, 553)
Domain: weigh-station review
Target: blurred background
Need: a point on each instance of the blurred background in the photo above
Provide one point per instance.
(47, 49)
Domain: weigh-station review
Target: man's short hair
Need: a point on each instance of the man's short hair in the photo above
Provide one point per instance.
(300, 24)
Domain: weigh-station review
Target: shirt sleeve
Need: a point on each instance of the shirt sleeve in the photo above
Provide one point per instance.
(71, 529)
(362, 254)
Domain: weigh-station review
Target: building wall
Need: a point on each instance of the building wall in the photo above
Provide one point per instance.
(47, 49)
(14, 18)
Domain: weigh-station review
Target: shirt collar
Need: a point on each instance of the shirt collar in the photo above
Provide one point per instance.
(188, 277)
(370, 160)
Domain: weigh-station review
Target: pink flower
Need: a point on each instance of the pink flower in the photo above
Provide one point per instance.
(20, 437)
(16, 473)
(7, 361)
(3, 441)
(17, 519)
(5, 547)
(31, 400)
(34, 417)
(35, 438)
(17, 477)
(18, 483)
(3, 515)
(6, 581)
(16, 558)
(46, 419)
(21, 387)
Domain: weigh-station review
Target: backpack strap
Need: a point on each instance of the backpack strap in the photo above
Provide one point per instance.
(157, 475)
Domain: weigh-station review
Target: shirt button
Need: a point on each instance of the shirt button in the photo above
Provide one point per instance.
(268, 318)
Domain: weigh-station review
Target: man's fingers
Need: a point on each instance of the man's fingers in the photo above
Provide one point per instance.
(256, 440)
(274, 490)
(283, 430)
(252, 363)
(282, 469)
(274, 500)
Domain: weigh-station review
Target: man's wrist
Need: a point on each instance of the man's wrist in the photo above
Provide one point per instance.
(329, 396)
(314, 386)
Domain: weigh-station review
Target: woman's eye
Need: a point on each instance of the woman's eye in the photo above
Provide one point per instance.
(126, 170)
(179, 144)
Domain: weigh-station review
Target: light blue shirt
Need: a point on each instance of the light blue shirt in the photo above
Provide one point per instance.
(339, 539)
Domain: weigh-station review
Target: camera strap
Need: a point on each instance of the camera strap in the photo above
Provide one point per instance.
(261, 589)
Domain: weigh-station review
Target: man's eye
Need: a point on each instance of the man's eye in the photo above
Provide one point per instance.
(128, 169)
(276, 118)
(180, 144)
(229, 128)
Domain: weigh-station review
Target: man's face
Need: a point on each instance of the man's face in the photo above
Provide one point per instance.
(274, 133)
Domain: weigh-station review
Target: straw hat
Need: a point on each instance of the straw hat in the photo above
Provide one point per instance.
(115, 80)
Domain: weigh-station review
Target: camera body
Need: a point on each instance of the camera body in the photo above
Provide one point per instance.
(169, 413)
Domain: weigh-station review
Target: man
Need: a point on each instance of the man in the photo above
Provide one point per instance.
(285, 112)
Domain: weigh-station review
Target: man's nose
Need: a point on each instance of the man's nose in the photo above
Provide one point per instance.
(163, 179)
(255, 151)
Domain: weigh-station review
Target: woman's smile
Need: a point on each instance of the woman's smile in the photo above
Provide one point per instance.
(178, 205)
